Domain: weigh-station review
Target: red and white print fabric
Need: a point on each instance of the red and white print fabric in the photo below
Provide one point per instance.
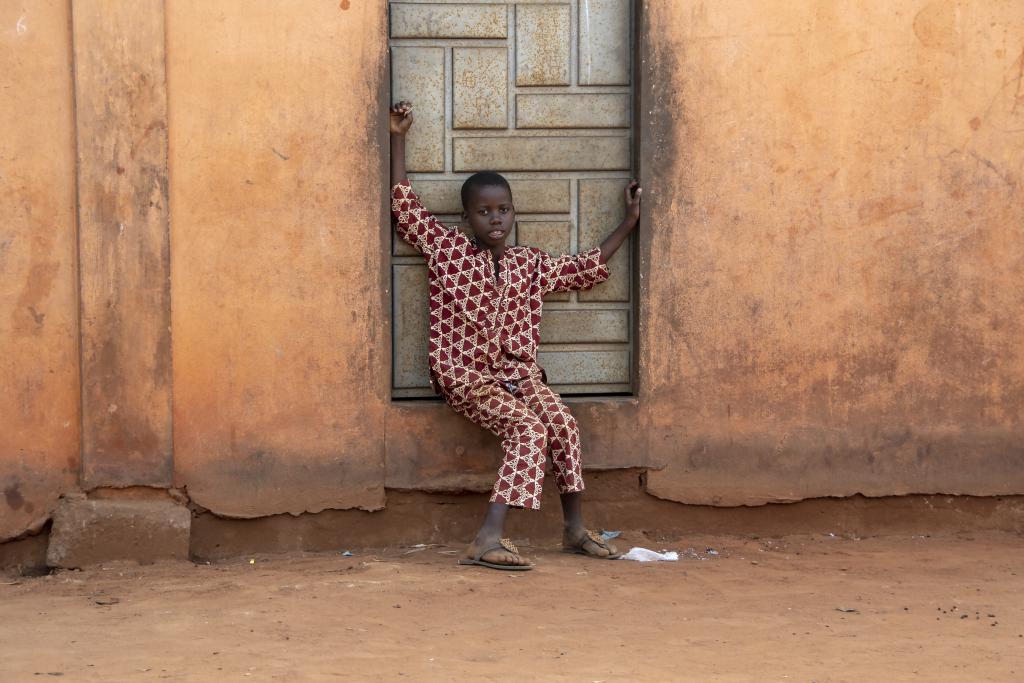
(484, 332)
(531, 422)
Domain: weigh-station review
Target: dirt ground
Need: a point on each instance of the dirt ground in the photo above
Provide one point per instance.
(798, 608)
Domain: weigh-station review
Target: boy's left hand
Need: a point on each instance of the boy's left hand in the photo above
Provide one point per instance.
(633, 192)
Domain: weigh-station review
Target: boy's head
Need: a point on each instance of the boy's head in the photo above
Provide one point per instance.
(487, 207)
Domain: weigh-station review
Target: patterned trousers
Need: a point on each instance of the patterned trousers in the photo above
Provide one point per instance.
(531, 421)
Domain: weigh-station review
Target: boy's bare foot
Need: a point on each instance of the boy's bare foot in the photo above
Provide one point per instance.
(588, 543)
(498, 552)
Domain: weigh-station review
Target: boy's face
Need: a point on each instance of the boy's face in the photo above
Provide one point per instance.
(490, 214)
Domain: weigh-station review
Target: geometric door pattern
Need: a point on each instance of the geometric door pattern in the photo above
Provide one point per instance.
(541, 92)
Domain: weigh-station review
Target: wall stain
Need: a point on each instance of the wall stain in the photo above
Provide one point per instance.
(879, 209)
(39, 283)
(13, 497)
(936, 26)
(37, 316)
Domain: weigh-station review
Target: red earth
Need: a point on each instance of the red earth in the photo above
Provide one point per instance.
(796, 608)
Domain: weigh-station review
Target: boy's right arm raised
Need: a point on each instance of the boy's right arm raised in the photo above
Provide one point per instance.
(399, 123)
(414, 223)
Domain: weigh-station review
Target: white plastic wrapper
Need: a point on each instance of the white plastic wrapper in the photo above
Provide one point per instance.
(645, 555)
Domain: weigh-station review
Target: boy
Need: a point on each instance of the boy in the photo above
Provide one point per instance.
(485, 308)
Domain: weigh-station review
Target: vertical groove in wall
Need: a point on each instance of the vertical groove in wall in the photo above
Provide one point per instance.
(170, 249)
(384, 267)
(78, 239)
(641, 232)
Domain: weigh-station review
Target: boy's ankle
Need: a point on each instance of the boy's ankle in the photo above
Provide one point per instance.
(485, 535)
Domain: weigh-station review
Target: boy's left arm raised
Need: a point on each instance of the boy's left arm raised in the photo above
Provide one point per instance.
(612, 243)
(414, 223)
(584, 270)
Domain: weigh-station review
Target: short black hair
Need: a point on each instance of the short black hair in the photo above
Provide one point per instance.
(483, 179)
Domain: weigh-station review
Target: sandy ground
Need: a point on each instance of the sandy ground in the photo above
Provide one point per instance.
(808, 608)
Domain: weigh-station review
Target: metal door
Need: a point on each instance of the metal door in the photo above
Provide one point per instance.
(542, 93)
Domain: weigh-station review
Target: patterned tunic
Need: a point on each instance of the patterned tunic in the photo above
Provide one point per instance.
(484, 333)
(481, 326)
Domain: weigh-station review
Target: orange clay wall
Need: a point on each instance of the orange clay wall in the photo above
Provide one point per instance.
(193, 269)
(277, 155)
(834, 257)
(40, 430)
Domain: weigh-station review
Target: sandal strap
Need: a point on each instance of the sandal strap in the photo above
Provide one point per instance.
(502, 544)
(509, 546)
(596, 538)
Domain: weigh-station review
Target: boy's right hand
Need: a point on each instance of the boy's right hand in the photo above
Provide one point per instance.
(400, 118)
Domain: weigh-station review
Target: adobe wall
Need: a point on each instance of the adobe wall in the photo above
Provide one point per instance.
(829, 274)
(277, 156)
(834, 249)
(40, 430)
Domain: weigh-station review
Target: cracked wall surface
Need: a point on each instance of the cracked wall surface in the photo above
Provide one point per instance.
(829, 260)
(40, 431)
(278, 218)
(834, 249)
